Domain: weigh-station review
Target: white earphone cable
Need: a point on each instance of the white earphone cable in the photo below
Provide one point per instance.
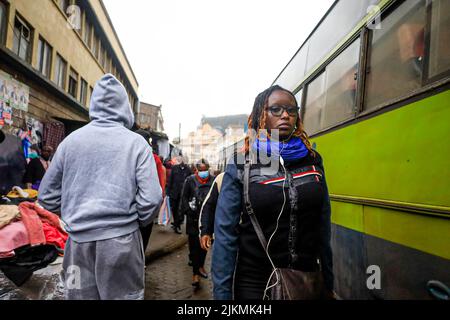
(276, 228)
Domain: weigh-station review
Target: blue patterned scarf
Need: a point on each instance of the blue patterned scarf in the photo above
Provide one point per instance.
(291, 150)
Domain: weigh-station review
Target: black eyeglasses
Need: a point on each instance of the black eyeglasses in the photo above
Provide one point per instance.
(277, 110)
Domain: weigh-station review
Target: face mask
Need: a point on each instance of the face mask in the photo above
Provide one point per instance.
(203, 174)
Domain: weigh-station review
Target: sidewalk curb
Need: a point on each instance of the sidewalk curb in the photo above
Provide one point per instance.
(169, 248)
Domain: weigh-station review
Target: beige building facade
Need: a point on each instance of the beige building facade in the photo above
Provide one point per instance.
(52, 52)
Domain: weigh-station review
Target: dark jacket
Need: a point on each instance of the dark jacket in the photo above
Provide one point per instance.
(233, 230)
(178, 174)
(193, 195)
(35, 171)
(208, 212)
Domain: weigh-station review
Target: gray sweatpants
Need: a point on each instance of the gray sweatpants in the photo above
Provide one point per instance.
(110, 269)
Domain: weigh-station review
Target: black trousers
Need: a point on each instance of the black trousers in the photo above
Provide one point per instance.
(177, 216)
(146, 232)
(196, 254)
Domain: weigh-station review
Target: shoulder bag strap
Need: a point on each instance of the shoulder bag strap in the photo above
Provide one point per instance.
(248, 205)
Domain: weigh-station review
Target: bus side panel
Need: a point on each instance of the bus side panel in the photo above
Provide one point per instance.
(408, 250)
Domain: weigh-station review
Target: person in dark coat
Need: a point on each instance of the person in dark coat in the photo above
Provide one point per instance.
(290, 200)
(195, 190)
(178, 174)
(37, 167)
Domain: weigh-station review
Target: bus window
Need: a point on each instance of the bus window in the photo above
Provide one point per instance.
(396, 56)
(330, 98)
(440, 38)
(315, 102)
(341, 86)
(299, 97)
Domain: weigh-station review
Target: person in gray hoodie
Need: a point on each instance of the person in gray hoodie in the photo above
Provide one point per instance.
(103, 181)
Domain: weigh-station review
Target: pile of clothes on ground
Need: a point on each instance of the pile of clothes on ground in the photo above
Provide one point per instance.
(30, 239)
(18, 195)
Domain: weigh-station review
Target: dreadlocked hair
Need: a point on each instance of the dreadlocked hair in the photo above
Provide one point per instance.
(258, 117)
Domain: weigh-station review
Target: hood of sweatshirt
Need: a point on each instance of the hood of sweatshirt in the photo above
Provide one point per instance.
(109, 103)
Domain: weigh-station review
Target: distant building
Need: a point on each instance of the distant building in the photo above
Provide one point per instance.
(149, 116)
(212, 135)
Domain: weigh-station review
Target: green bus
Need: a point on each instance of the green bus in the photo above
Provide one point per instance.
(373, 82)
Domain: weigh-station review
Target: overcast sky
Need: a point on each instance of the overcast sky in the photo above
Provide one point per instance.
(209, 57)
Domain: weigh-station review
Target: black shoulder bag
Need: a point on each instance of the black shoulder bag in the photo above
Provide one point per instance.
(286, 283)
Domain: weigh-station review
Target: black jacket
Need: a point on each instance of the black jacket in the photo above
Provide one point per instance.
(207, 215)
(193, 195)
(234, 232)
(35, 171)
(177, 177)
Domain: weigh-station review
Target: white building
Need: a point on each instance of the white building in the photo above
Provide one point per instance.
(212, 136)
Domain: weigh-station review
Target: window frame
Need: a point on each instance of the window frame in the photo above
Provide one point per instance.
(84, 84)
(40, 57)
(427, 80)
(64, 62)
(4, 25)
(361, 37)
(61, 6)
(428, 86)
(72, 70)
(87, 31)
(24, 23)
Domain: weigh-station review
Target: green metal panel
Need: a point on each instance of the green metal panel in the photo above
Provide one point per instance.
(402, 155)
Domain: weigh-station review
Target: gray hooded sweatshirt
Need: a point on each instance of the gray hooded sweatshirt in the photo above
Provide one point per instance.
(103, 177)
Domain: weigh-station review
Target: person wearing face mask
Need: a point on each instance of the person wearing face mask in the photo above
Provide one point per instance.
(37, 167)
(195, 189)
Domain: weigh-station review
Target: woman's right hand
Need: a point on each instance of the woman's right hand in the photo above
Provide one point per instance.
(205, 242)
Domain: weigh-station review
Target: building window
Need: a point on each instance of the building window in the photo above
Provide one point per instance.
(95, 46)
(396, 55)
(83, 92)
(64, 4)
(44, 57)
(73, 83)
(102, 56)
(91, 90)
(440, 38)
(60, 72)
(87, 32)
(22, 39)
(3, 22)
(108, 64)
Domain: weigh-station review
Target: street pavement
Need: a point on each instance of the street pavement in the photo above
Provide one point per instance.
(168, 275)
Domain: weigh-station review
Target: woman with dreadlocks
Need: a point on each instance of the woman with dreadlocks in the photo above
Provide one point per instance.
(293, 194)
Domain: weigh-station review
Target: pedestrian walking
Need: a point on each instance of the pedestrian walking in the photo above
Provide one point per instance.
(103, 181)
(195, 189)
(291, 205)
(178, 175)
